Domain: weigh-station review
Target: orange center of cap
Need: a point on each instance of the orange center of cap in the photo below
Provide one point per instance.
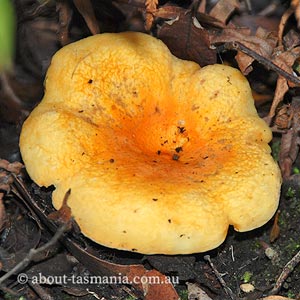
(163, 141)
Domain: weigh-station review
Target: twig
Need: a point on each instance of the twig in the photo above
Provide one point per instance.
(228, 291)
(262, 60)
(43, 294)
(34, 252)
(288, 268)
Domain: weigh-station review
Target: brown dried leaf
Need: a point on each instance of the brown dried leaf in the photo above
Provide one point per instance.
(196, 293)
(151, 7)
(223, 9)
(5, 181)
(245, 61)
(64, 214)
(187, 40)
(172, 12)
(281, 89)
(289, 146)
(14, 167)
(7, 172)
(282, 24)
(202, 6)
(285, 61)
(262, 46)
(291, 39)
(275, 231)
(209, 20)
(252, 22)
(274, 297)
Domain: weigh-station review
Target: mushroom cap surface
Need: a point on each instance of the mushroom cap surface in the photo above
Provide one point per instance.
(160, 154)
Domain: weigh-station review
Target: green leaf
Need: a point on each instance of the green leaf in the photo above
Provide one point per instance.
(7, 34)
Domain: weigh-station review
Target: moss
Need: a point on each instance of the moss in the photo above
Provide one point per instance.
(292, 246)
(291, 295)
(130, 298)
(183, 294)
(281, 220)
(290, 193)
(246, 277)
(256, 245)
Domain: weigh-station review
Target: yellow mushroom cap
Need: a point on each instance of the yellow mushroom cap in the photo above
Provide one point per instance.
(160, 154)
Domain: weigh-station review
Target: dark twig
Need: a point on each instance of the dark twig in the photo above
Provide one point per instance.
(34, 252)
(227, 290)
(262, 60)
(43, 294)
(287, 270)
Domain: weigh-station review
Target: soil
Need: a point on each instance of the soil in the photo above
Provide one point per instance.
(256, 258)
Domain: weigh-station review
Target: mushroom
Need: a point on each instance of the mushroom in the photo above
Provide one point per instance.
(160, 154)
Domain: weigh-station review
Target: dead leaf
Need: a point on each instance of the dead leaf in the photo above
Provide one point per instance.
(196, 293)
(7, 172)
(151, 7)
(275, 298)
(186, 41)
(291, 39)
(289, 146)
(282, 24)
(281, 89)
(262, 46)
(284, 61)
(14, 167)
(202, 6)
(223, 9)
(275, 231)
(171, 12)
(64, 214)
(245, 61)
(269, 23)
(168, 12)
